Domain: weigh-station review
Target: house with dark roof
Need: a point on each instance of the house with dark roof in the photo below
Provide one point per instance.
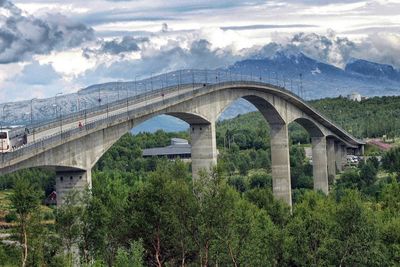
(179, 148)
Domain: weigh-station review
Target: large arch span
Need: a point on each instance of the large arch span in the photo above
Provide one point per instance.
(74, 150)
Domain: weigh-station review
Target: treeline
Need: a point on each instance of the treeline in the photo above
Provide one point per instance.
(373, 117)
(163, 218)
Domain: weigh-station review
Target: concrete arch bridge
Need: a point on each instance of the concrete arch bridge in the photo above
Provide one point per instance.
(72, 151)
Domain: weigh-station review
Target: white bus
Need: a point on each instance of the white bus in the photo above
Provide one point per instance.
(5, 145)
(9, 143)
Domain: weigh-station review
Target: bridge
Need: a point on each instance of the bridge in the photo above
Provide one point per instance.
(72, 151)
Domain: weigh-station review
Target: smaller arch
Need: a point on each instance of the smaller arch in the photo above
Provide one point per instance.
(267, 109)
(189, 117)
(311, 127)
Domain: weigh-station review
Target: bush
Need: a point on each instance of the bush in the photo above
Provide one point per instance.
(259, 179)
(11, 217)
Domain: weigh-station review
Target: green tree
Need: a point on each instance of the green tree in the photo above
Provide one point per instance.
(132, 257)
(354, 238)
(69, 224)
(309, 230)
(25, 199)
(391, 160)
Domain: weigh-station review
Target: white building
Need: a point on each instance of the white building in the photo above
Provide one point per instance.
(354, 97)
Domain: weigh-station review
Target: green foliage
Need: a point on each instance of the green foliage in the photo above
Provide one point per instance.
(308, 231)
(391, 160)
(25, 199)
(356, 117)
(355, 239)
(132, 257)
(42, 179)
(9, 255)
(11, 217)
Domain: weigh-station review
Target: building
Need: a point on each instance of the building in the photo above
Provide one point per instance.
(354, 97)
(179, 148)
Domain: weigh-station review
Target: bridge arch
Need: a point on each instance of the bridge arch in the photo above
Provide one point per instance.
(313, 129)
(268, 106)
(318, 151)
(193, 119)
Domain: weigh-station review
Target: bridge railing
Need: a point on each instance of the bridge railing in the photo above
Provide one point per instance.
(120, 92)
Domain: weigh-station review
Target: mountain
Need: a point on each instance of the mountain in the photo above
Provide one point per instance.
(307, 77)
(372, 69)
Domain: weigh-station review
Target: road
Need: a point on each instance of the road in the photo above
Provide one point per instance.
(92, 117)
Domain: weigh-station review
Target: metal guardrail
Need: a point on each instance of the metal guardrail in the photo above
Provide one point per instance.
(163, 81)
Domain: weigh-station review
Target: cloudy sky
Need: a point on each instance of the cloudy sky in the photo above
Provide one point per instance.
(51, 46)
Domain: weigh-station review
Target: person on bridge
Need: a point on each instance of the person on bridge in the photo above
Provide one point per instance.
(80, 125)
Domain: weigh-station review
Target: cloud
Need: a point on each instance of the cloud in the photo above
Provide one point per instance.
(126, 44)
(381, 47)
(323, 2)
(169, 57)
(37, 74)
(326, 48)
(266, 26)
(23, 36)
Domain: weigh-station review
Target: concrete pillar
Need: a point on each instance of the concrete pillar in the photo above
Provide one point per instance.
(338, 157)
(359, 151)
(344, 154)
(320, 170)
(330, 156)
(280, 161)
(204, 147)
(68, 180)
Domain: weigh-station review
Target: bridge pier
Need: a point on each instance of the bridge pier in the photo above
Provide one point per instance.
(320, 170)
(280, 163)
(338, 157)
(331, 158)
(204, 147)
(69, 180)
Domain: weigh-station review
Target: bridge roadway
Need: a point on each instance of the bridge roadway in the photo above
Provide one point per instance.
(72, 151)
(41, 133)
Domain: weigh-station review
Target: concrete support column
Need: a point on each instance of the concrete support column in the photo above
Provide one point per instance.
(280, 163)
(338, 157)
(69, 180)
(344, 154)
(320, 170)
(204, 147)
(360, 151)
(330, 155)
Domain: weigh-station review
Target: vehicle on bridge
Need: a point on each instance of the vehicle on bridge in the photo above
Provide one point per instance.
(5, 145)
(9, 143)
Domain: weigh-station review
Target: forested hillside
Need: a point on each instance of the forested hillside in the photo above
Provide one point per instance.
(373, 117)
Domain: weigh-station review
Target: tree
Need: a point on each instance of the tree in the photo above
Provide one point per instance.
(309, 230)
(69, 220)
(391, 160)
(107, 224)
(354, 239)
(25, 199)
(132, 257)
(368, 172)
